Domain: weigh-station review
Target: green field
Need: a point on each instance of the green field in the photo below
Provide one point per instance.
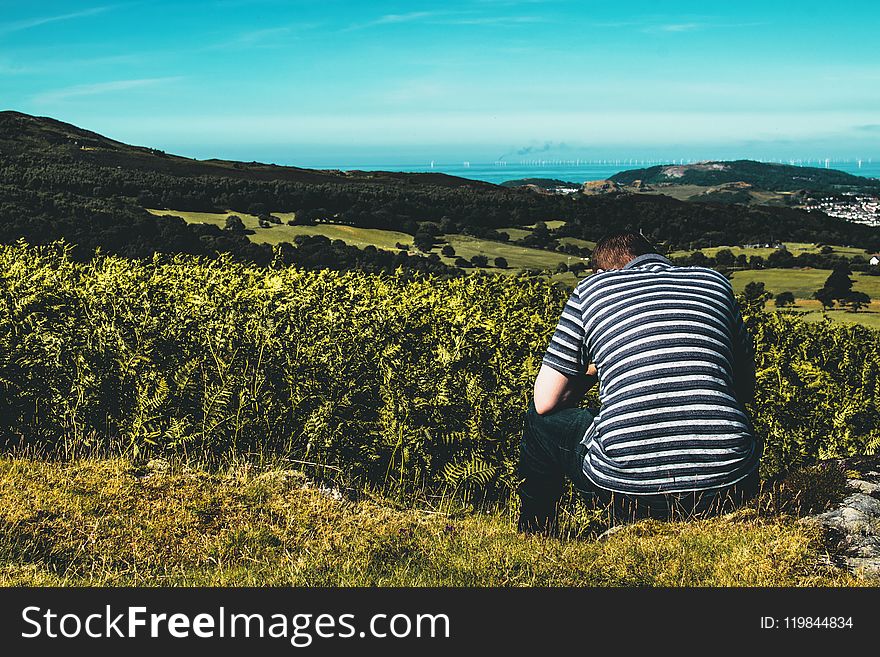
(795, 248)
(869, 317)
(801, 282)
(552, 225)
(577, 242)
(518, 257)
(297, 427)
(351, 235)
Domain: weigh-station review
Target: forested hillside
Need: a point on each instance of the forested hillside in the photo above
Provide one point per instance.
(57, 181)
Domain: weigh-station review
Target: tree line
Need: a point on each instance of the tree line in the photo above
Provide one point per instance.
(44, 197)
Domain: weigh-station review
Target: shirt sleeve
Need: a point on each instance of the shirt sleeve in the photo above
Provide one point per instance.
(566, 352)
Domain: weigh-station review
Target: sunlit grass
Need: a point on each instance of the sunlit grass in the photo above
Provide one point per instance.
(110, 522)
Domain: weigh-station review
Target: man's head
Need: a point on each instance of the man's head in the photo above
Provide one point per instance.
(616, 250)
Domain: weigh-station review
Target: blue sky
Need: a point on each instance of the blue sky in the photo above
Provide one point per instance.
(332, 81)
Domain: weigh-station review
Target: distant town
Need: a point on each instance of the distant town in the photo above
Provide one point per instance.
(859, 208)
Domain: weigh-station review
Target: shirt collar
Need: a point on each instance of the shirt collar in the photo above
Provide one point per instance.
(646, 259)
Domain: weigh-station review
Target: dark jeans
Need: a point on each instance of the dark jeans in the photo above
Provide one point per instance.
(551, 451)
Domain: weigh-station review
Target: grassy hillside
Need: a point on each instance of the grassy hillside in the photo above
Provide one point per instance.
(38, 135)
(518, 257)
(351, 235)
(117, 523)
(762, 175)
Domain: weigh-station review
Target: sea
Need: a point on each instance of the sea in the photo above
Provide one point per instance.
(576, 171)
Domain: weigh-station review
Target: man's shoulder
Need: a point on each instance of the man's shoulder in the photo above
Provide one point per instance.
(595, 287)
(705, 273)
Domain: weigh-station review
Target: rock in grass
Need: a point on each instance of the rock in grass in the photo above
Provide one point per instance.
(854, 526)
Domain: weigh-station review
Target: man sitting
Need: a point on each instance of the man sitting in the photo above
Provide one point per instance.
(675, 366)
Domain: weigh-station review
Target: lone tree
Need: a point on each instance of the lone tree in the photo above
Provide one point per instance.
(857, 300)
(698, 259)
(234, 224)
(755, 293)
(838, 287)
(725, 258)
(824, 297)
(423, 241)
(500, 262)
(448, 251)
(839, 283)
(577, 268)
(479, 260)
(784, 299)
(540, 232)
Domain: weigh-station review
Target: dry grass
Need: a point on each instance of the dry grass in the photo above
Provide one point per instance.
(108, 522)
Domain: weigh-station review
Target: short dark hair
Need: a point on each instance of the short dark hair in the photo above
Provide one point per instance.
(615, 250)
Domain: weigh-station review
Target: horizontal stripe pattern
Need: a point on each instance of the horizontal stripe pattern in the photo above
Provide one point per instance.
(666, 341)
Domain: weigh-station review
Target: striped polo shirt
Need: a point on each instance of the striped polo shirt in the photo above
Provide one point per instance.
(669, 343)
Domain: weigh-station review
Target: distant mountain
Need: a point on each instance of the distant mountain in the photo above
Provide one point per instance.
(760, 175)
(32, 135)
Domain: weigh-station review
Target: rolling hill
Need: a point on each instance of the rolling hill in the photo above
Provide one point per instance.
(761, 175)
(25, 134)
(58, 181)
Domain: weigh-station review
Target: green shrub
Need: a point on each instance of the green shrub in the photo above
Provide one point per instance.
(400, 383)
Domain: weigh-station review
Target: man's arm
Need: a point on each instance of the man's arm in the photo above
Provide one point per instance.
(743, 360)
(555, 390)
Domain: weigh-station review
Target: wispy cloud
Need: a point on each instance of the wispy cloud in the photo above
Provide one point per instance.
(493, 20)
(515, 3)
(653, 25)
(100, 88)
(692, 26)
(255, 36)
(391, 19)
(448, 18)
(678, 27)
(29, 23)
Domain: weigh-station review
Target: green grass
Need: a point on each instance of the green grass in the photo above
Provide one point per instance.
(359, 237)
(518, 257)
(811, 311)
(552, 225)
(577, 242)
(801, 282)
(516, 233)
(796, 248)
(115, 523)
